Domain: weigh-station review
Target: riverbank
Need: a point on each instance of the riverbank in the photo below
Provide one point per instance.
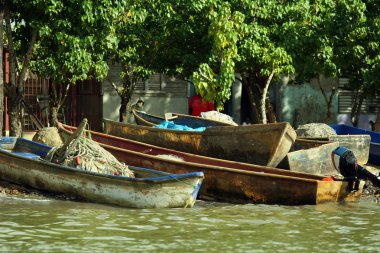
(10, 189)
(14, 189)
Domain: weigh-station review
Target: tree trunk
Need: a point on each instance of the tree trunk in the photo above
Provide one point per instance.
(2, 6)
(271, 114)
(14, 112)
(249, 88)
(356, 108)
(123, 109)
(125, 96)
(376, 126)
(15, 88)
(56, 101)
(12, 91)
(328, 100)
(264, 99)
(53, 117)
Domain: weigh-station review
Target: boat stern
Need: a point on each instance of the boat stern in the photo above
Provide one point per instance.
(339, 191)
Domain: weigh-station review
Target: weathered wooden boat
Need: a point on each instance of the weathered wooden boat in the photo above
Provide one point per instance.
(21, 163)
(146, 119)
(359, 144)
(263, 144)
(230, 181)
(374, 147)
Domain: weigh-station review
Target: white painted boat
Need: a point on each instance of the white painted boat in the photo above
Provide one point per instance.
(21, 162)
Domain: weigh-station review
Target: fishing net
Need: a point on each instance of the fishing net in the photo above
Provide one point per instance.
(320, 130)
(83, 153)
(218, 116)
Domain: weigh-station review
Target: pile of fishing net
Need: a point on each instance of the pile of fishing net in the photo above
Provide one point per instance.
(320, 130)
(83, 153)
(218, 116)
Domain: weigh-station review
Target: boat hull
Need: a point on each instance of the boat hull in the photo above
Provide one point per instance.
(374, 148)
(151, 189)
(317, 160)
(257, 144)
(230, 181)
(358, 144)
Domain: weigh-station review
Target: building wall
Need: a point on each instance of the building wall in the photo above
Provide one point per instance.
(304, 103)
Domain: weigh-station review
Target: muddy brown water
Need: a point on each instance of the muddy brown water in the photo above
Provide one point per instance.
(35, 223)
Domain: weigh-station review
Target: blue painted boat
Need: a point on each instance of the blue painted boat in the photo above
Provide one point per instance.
(374, 149)
(146, 119)
(21, 162)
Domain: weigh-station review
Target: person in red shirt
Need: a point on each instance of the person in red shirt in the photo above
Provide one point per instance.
(197, 105)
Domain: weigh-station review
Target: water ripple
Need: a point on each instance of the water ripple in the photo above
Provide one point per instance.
(67, 226)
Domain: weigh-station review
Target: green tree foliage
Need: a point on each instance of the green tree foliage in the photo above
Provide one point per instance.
(310, 38)
(262, 50)
(322, 42)
(2, 10)
(207, 41)
(213, 79)
(131, 52)
(21, 28)
(76, 43)
(360, 51)
(160, 36)
(66, 41)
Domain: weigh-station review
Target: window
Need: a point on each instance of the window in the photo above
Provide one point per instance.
(347, 97)
(153, 84)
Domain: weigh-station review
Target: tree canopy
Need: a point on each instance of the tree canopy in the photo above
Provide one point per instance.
(205, 41)
(65, 41)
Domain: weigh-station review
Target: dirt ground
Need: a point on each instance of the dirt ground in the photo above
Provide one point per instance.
(370, 190)
(19, 190)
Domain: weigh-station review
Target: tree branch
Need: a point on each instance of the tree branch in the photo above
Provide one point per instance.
(204, 76)
(62, 101)
(322, 90)
(333, 90)
(239, 79)
(12, 55)
(264, 96)
(116, 89)
(26, 61)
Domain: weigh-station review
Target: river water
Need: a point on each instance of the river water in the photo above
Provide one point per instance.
(40, 224)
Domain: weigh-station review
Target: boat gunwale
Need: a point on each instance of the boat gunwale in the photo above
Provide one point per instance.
(168, 178)
(209, 131)
(148, 123)
(137, 114)
(213, 167)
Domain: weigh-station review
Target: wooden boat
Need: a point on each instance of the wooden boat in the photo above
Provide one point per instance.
(146, 119)
(374, 147)
(229, 181)
(263, 144)
(359, 144)
(21, 163)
